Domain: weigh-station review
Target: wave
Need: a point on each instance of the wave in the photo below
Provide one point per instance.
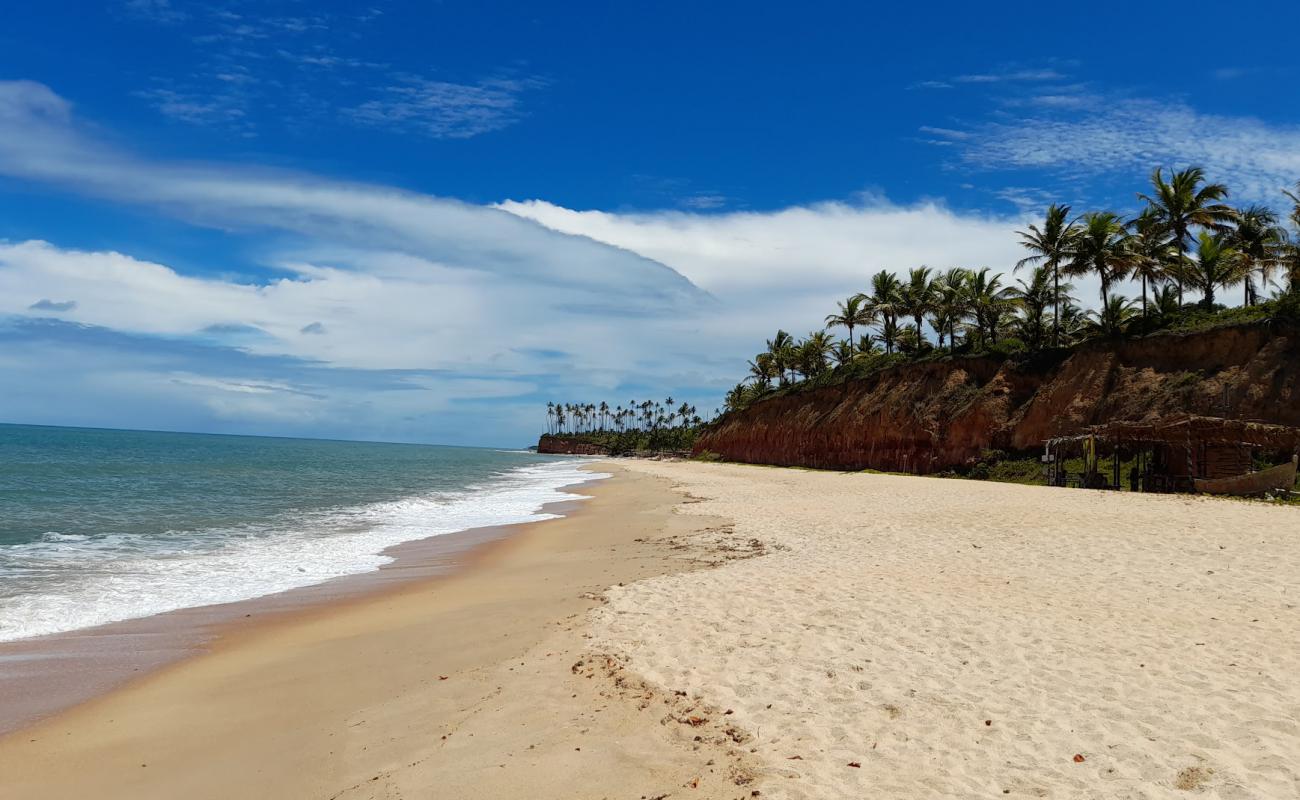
(65, 582)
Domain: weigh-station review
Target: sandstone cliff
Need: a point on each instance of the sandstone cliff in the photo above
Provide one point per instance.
(932, 416)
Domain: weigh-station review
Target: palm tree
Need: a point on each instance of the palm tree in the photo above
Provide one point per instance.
(883, 300)
(843, 353)
(1033, 299)
(1164, 303)
(1112, 318)
(762, 369)
(951, 303)
(1102, 246)
(889, 334)
(1261, 242)
(1153, 253)
(1184, 202)
(1291, 252)
(781, 348)
(915, 298)
(1051, 245)
(989, 303)
(813, 352)
(1217, 263)
(853, 312)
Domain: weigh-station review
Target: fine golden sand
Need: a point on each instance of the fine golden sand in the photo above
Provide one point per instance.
(922, 638)
(721, 631)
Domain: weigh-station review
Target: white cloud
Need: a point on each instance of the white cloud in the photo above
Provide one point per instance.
(445, 110)
(1014, 75)
(826, 247)
(470, 309)
(1256, 159)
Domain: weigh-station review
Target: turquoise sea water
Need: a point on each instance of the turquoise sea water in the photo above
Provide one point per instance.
(103, 525)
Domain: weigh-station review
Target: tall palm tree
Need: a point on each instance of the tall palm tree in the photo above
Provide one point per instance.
(853, 312)
(884, 299)
(1261, 242)
(990, 302)
(1102, 247)
(915, 298)
(1050, 245)
(951, 303)
(1217, 263)
(781, 348)
(1184, 202)
(1153, 254)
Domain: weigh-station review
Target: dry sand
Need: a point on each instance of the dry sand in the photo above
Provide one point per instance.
(795, 634)
(922, 638)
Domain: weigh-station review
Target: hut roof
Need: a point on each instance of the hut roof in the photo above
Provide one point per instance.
(1191, 428)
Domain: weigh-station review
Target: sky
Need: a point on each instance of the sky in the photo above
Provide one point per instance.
(413, 221)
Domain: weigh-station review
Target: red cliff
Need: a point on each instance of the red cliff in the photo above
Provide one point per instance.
(931, 416)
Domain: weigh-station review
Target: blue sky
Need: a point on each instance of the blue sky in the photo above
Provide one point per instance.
(421, 221)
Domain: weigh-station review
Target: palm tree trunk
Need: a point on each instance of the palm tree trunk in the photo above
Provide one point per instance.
(1056, 306)
(1178, 279)
(1144, 296)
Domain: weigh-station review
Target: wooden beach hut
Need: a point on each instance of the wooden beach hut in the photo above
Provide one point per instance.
(1187, 453)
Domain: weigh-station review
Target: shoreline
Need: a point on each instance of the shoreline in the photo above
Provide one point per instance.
(43, 676)
(480, 683)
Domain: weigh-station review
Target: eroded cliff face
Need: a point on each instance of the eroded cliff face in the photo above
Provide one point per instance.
(928, 417)
(562, 445)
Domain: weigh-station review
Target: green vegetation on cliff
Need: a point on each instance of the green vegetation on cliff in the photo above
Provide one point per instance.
(1185, 239)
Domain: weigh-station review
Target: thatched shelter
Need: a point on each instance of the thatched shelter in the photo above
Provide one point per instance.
(1185, 453)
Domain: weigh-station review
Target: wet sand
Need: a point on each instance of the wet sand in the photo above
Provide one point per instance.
(476, 683)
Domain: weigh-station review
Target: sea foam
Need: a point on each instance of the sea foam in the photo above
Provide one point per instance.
(74, 581)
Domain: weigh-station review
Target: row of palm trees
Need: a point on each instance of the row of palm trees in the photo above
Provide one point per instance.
(1181, 215)
(648, 416)
(1184, 238)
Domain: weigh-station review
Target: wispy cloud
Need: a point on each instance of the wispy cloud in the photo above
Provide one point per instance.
(201, 109)
(446, 110)
(1014, 76)
(946, 133)
(253, 69)
(159, 11)
(1008, 75)
(1255, 158)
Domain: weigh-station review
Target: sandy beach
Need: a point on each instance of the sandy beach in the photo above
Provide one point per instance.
(724, 631)
(919, 637)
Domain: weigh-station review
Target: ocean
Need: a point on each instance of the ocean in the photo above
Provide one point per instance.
(98, 526)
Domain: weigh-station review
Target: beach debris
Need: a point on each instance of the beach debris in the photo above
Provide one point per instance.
(693, 783)
(443, 677)
(1192, 778)
(1079, 759)
(695, 721)
(988, 722)
(855, 764)
(794, 758)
